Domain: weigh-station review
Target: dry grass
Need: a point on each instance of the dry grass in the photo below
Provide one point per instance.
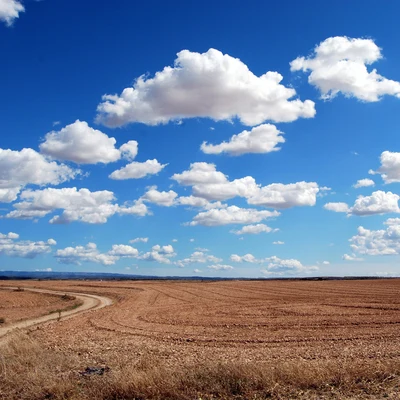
(29, 371)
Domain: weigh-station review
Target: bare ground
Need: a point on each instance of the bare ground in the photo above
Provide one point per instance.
(184, 340)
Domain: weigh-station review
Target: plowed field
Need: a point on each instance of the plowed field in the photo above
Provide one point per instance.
(20, 305)
(281, 318)
(183, 324)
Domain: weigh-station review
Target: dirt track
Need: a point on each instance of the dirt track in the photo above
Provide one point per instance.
(89, 302)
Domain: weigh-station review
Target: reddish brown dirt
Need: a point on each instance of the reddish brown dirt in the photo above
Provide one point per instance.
(21, 305)
(255, 321)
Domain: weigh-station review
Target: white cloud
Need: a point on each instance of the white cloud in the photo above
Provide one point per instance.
(392, 221)
(139, 239)
(209, 85)
(9, 10)
(339, 65)
(77, 205)
(378, 202)
(123, 250)
(261, 139)
(243, 187)
(129, 150)
(390, 167)
(21, 168)
(198, 257)
(210, 184)
(253, 229)
(352, 257)
(200, 173)
(277, 266)
(325, 262)
(246, 258)
(379, 242)
(166, 199)
(337, 207)
(364, 183)
(192, 201)
(197, 271)
(90, 253)
(9, 195)
(136, 170)
(278, 195)
(220, 267)
(12, 247)
(278, 242)
(160, 254)
(80, 143)
(232, 215)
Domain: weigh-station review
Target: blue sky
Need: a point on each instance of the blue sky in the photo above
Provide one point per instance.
(239, 139)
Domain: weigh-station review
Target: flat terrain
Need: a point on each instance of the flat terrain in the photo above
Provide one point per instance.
(183, 324)
(17, 305)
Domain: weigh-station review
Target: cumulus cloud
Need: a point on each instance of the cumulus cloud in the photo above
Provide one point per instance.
(232, 215)
(9, 11)
(246, 258)
(337, 207)
(390, 167)
(198, 257)
(210, 184)
(139, 239)
(21, 168)
(160, 254)
(364, 183)
(209, 85)
(375, 243)
(339, 65)
(277, 266)
(278, 195)
(192, 201)
(80, 143)
(200, 173)
(378, 203)
(123, 250)
(129, 150)
(77, 205)
(261, 139)
(220, 267)
(351, 257)
(136, 170)
(243, 187)
(166, 199)
(90, 253)
(278, 242)
(12, 247)
(253, 229)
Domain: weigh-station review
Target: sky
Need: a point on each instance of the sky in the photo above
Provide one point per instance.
(220, 139)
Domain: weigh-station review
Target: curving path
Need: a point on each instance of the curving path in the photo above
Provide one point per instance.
(89, 302)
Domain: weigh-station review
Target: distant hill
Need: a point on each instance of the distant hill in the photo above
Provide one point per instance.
(53, 275)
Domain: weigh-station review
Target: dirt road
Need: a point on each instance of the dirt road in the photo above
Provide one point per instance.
(89, 302)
